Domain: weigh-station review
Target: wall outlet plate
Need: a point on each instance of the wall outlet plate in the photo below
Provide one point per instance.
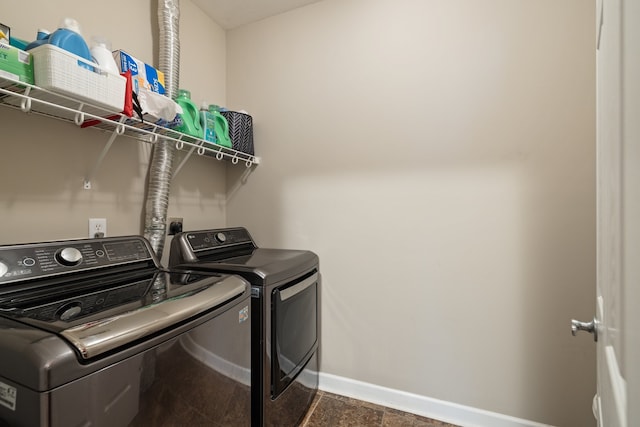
(97, 227)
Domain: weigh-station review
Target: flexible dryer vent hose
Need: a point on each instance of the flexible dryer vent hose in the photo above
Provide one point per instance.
(161, 166)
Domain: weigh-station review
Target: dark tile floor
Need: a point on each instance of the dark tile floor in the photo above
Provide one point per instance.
(332, 410)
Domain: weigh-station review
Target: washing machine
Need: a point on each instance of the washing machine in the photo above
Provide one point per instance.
(285, 287)
(95, 332)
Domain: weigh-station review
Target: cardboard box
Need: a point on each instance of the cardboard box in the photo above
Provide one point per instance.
(143, 75)
(16, 64)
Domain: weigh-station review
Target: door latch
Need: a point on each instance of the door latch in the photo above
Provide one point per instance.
(591, 327)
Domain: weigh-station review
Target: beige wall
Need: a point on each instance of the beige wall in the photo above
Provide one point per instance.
(439, 157)
(44, 161)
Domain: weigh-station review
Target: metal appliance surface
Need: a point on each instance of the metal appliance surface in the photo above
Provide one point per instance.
(95, 332)
(285, 287)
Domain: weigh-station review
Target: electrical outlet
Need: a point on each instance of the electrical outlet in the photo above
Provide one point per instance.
(97, 227)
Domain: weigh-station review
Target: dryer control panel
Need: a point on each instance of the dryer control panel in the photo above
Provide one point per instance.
(210, 239)
(37, 260)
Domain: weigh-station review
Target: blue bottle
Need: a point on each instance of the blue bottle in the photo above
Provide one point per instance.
(41, 38)
(68, 37)
(207, 121)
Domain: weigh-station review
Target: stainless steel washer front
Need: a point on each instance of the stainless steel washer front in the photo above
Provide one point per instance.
(110, 339)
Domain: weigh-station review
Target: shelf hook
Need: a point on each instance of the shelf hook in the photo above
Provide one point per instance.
(220, 155)
(79, 118)
(234, 160)
(25, 105)
(200, 150)
(248, 163)
(179, 145)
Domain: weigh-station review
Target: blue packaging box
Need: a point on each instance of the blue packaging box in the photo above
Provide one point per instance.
(142, 74)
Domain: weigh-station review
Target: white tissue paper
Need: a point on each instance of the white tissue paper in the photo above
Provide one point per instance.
(155, 106)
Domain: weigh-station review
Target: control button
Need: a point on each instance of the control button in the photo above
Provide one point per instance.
(28, 262)
(69, 257)
(100, 253)
(67, 312)
(220, 237)
(3, 268)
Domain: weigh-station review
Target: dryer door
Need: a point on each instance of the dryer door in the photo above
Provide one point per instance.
(294, 330)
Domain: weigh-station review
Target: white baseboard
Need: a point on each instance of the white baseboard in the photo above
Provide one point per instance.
(453, 413)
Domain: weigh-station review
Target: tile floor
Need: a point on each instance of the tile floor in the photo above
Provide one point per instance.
(332, 410)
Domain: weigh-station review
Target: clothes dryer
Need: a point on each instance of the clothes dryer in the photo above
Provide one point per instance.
(285, 286)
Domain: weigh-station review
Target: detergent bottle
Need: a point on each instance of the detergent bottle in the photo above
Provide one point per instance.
(221, 127)
(207, 120)
(190, 115)
(69, 38)
(101, 54)
(42, 37)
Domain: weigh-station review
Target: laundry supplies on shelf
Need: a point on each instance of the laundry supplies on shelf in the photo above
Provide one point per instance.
(221, 128)
(189, 122)
(207, 120)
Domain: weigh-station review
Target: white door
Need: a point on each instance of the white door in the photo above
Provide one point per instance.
(617, 403)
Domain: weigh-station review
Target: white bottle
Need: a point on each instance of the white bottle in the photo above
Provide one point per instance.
(101, 53)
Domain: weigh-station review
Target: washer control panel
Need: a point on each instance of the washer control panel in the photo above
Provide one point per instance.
(211, 239)
(31, 261)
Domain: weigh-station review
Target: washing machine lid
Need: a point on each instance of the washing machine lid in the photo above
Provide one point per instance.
(101, 294)
(98, 319)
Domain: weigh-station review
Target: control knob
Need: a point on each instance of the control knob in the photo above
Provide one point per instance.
(221, 237)
(69, 257)
(69, 311)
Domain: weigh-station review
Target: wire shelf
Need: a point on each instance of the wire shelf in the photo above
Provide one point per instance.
(35, 100)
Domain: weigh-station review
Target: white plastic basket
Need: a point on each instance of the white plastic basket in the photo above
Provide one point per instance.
(57, 70)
